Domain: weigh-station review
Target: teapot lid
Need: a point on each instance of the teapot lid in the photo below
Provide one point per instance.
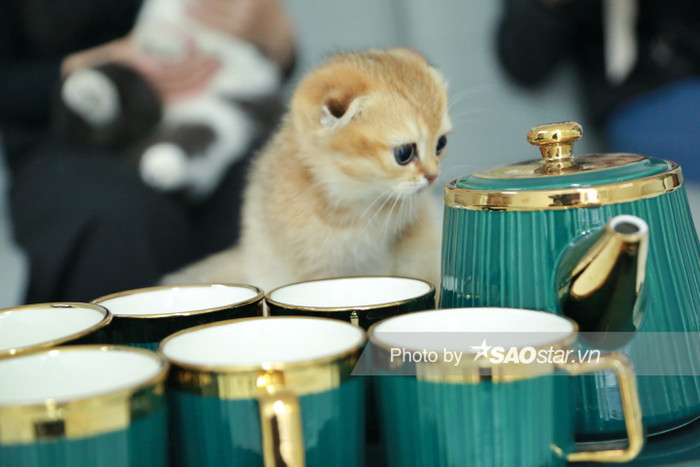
(562, 180)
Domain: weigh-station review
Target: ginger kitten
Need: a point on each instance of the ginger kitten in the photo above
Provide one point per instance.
(342, 188)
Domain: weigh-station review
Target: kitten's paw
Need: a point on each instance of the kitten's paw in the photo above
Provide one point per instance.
(92, 96)
(164, 166)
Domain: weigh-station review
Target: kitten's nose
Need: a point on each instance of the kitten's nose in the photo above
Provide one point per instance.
(431, 178)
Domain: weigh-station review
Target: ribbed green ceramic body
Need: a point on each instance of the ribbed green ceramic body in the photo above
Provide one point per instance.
(507, 258)
(525, 423)
(144, 443)
(207, 431)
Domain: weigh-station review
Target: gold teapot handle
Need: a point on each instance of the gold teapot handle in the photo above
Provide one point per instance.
(627, 382)
(280, 419)
(556, 141)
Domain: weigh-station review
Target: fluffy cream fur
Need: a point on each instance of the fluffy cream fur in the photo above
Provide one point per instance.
(327, 198)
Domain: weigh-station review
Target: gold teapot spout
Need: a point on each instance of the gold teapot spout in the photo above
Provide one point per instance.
(600, 281)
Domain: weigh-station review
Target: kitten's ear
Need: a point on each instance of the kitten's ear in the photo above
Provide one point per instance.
(338, 112)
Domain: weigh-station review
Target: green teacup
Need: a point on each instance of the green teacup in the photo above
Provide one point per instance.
(360, 300)
(488, 387)
(144, 317)
(271, 390)
(83, 406)
(29, 328)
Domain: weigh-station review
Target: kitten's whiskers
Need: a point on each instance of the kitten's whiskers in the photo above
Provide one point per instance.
(385, 198)
(381, 196)
(387, 222)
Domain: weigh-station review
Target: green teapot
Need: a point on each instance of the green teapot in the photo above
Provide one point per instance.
(605, 239)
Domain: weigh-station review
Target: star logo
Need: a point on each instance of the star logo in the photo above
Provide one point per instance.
(483, 350)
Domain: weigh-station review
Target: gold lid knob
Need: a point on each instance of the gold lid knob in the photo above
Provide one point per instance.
(556, 140)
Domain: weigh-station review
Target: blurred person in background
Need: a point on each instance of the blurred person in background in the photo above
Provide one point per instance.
(638, 63)
(85, 219)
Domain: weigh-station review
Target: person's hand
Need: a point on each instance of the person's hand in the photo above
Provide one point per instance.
(172, 80)
(116, 50)
(261, 22)
(175, 80)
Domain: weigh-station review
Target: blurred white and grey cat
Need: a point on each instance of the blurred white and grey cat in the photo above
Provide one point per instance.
(195, 139)
(342, 189)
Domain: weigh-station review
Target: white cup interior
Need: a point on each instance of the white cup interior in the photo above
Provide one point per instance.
(350, 292)
(66, 374)
(175, 300)
(265, 340)
(463, 328)
(32, 325)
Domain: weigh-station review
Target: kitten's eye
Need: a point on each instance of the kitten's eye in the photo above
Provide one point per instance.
(405, 154)
(442, 142)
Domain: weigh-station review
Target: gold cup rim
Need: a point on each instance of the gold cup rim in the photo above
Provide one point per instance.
(564, 197)
(264, 366)
(326, 309)
(106, 319)
(88, 415)
(476, 371)
(259, 296)
(158, 377)
(242, 381)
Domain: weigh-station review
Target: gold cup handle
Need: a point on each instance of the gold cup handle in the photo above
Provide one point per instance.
(280, 419)
(627, 383)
